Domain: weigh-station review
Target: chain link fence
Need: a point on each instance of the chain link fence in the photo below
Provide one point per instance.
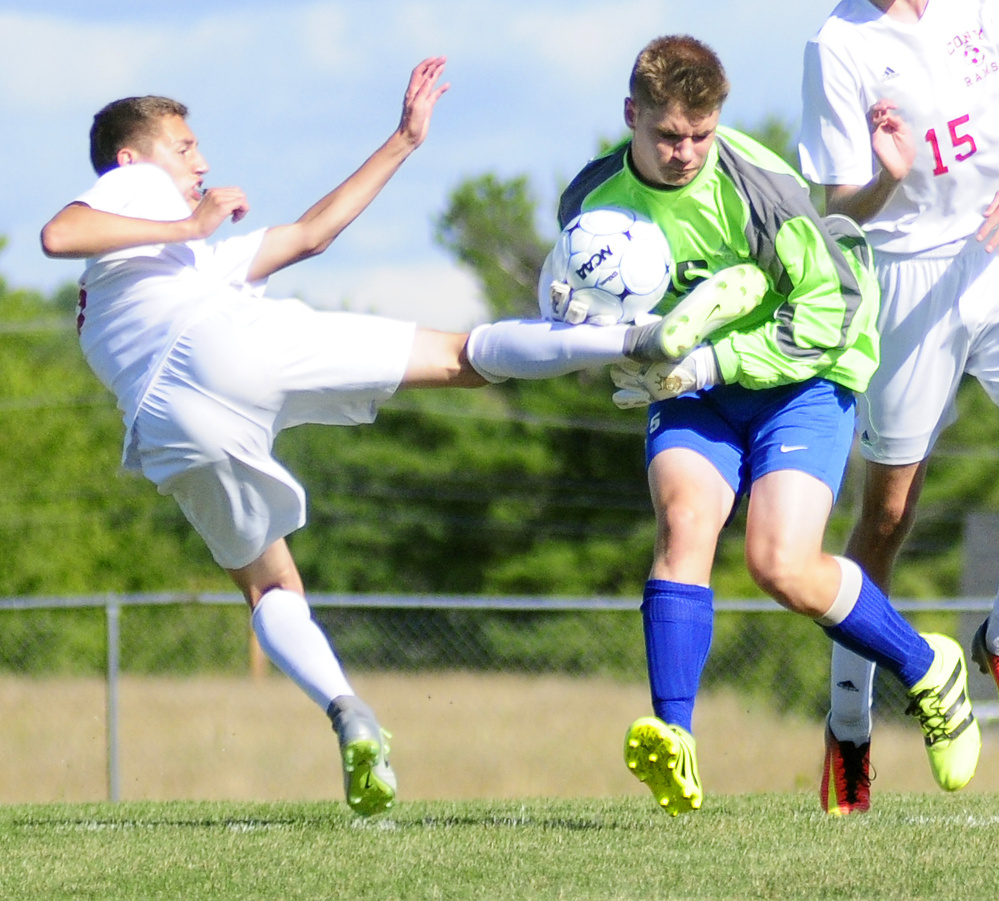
(759, 650)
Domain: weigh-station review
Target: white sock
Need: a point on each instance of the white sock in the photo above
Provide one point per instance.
(537, 349)
(851, 578)
(850, 693)
(296, 645)
(851, 677)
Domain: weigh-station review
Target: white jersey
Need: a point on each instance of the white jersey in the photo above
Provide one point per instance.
(207, 371)
(943, 72)
(135, 302)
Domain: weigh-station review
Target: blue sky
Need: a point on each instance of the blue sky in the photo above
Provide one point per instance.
(288, 98)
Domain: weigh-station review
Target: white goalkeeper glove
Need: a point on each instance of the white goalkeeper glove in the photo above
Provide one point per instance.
(555, 299)
(640, 384)
(564, 308)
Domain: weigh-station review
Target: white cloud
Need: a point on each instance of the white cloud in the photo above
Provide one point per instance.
(434, 295)
(323, 31)
(48, 65)
(588, 46)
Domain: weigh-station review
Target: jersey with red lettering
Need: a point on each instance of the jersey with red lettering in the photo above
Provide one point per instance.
(943, 72)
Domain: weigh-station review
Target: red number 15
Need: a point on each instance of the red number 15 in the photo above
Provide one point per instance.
(956, 140)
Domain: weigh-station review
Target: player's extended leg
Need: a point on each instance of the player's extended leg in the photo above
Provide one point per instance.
(440, 360)
(786, 519)
(294, 642)
(692, 502)
(887, 513)
(538, 349)
(888, 510)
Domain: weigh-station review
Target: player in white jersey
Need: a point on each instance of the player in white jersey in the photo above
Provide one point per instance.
(207, 371)
(900, 126)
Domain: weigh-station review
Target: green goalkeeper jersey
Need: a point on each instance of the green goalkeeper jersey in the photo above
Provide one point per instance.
(819, 316)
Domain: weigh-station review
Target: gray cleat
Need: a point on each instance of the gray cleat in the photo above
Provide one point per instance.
(368, 780)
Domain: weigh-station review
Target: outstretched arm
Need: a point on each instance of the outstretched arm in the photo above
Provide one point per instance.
(78, 231)
(895, 149)
(321, 223)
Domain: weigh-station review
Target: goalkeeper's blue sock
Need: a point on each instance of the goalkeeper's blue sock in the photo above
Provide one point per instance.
(863, 620)
(678, 621)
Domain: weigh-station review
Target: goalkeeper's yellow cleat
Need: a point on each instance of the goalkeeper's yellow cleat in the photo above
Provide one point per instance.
(940, 702)
(664, 757)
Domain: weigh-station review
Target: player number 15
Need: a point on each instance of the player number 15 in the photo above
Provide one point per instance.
(957, 140)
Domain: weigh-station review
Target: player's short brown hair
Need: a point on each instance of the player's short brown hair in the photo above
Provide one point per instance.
(679, 69)
(129, 122)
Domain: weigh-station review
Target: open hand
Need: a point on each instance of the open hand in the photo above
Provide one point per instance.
(421, 96)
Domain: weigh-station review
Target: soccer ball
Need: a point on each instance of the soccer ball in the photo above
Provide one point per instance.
(609, 265)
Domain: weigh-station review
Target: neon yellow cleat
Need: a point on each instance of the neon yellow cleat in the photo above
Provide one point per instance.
(720, 299)
(726, 296)
(665, 758)
(940, 702)
(368, 779)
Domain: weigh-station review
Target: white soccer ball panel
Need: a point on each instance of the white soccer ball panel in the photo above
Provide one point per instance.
(560, 257)
(600, 305)
(606, 221)
(597, 262)
(544, 287)
(644, 273)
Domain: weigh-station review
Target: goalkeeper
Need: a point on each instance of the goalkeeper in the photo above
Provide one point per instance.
(764, 409)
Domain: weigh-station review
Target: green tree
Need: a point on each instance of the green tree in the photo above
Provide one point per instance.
(776, 133)
(489, 225)
(68, 522)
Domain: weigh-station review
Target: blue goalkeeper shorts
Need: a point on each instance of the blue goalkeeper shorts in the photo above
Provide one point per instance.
(747, 433)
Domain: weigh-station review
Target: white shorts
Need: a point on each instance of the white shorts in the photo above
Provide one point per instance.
(939, 320)
(206, 427)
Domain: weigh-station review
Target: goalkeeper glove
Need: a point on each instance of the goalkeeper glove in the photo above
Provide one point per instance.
(640, 384)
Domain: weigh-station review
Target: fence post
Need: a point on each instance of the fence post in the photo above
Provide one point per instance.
(112, 610)
(259, 664)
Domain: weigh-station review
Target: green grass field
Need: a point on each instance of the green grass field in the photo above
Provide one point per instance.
(737, 847)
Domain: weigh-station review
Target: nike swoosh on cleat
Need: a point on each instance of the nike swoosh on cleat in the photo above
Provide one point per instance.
(788, 448)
